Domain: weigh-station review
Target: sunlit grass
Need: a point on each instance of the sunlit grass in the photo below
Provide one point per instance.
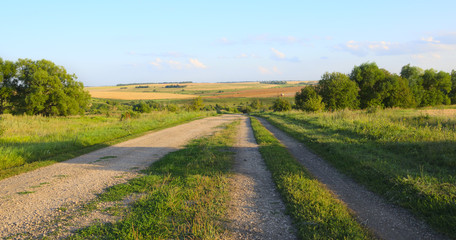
(407, 156)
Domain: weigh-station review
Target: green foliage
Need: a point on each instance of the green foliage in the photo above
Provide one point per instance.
(41, 87)
(395, 92)
(196, 104)
(281, 104)
(436, 87)
(309, 100)
(338, 91)
(185, 195)
(366, 76)
(142, 107)
(316, 212)
(256, 104)
(452, 93)
(406, 156)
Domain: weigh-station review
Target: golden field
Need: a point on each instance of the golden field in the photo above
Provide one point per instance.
(192, 90)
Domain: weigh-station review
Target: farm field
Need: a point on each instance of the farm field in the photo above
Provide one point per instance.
(407, 156)
(192, 90)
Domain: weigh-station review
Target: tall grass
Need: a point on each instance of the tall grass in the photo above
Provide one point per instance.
(27, 142)
(185, 195)
(317, 214)
(405, 155)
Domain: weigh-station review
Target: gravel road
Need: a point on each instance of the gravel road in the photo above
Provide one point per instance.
(30, 202)
(387, 221)
(256, 209)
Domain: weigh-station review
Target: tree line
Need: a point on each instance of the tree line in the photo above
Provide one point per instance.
(368, 86)
(40, 87)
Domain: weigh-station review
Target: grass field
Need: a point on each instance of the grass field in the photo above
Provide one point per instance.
(408, 156)
(184, 195)
(192, 90)
(317, 214)
(29, 142)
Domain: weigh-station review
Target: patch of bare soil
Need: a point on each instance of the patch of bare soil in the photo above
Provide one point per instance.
(256, 209)
(37, 203)
(387, 221)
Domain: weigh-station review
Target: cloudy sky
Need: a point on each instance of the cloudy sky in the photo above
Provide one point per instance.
(111, 42)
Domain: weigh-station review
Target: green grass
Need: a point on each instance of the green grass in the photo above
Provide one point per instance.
(406, 156)
(184, 195)
(317, 214)
(29, 142)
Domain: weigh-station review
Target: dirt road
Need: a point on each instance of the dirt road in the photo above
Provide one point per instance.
(385, 220)
(30, 202)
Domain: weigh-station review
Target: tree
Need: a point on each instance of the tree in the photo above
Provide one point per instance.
(395, 92)
(41, 87)
(414, 76)
(437, 86)
(281, 105)
(367, 75)
(338, 91)
(142, 107)
(452, 94)
(309, 100)
(7, 81)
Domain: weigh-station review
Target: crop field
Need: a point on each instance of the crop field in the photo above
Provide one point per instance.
(192, 90)
(407, 156)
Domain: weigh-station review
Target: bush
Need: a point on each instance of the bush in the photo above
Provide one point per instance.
(142, 107)
(309, 100)
(281, 105)
(128, 115)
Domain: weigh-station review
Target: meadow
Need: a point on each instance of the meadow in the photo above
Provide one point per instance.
(406, 155)
(29, 142)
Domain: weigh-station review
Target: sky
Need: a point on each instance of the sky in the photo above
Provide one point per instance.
(118, 41)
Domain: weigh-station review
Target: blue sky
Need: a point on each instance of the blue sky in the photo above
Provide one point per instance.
(111, 42)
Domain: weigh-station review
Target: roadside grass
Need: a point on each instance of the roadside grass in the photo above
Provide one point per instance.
(184, 195)
(317, 214)
(30, 142)
(404, 155)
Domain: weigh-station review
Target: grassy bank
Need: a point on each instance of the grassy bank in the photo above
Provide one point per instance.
(29, 142)
(315, 211)
(408, 156)
(183, 196)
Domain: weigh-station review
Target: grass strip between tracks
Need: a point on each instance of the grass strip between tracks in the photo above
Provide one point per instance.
(317, 214)
(184, 195)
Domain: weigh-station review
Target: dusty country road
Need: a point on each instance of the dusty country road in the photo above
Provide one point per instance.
(30, 202)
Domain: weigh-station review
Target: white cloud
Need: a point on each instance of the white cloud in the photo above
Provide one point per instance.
(156, 63)
(197, 64)
(383, 48)
(175, 64)
(278, 54)
(267, 71)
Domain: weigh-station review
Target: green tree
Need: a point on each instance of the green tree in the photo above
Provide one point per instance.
(452, 94)
(437, 86)
(338, 91)
(309, 100)
(367, 75)
(196, 104)
(7, 82)
(256, 104)
(414, 76)
(281, 104)
(142, 107)
(395, 92)
(44, 88)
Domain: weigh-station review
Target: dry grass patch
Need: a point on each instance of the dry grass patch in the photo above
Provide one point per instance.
(138, 95)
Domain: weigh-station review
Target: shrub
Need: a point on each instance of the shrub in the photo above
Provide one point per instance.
(281, 105)
(309, 100)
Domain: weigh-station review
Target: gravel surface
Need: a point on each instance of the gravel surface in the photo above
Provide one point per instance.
(256, 209)
(32, 203)
(387, 221)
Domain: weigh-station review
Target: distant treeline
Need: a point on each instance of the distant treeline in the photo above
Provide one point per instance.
(142, 87)
(40, 87)
(274, 82)
(129, 84)
(368, 86)
(175, 86)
